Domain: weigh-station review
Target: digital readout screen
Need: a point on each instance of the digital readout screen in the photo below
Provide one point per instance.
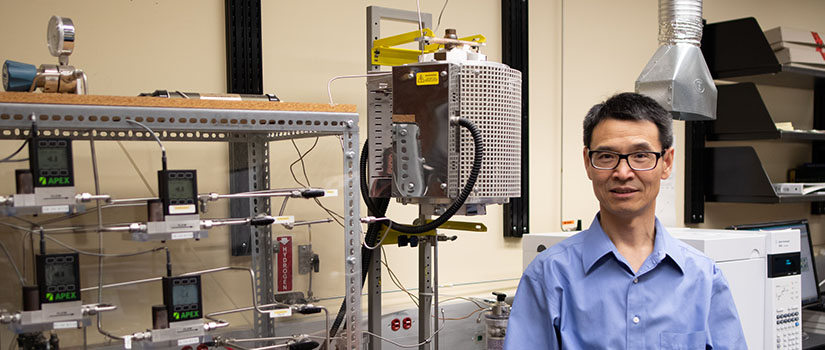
(52, 158)
(59, 274)
(180, 188)
(185, 294)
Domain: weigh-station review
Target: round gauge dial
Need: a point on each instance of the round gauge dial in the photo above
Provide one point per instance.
(60, 36)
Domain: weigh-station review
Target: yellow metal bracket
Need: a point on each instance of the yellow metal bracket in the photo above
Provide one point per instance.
(385, 52)
(392, 235)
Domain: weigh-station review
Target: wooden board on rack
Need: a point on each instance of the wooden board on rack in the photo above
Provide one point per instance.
(135, 101)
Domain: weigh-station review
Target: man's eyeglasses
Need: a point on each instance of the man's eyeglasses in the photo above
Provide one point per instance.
(639, 161)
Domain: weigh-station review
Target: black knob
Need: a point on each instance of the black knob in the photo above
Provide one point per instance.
(500, 296)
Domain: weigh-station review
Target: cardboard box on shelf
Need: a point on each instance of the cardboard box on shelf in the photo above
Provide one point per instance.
(793, 35)
(810, 56)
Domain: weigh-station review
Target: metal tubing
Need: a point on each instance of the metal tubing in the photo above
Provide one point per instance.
(132, 200)
(435, 287)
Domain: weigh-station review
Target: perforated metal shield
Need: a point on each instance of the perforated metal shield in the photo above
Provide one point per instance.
(490, 96)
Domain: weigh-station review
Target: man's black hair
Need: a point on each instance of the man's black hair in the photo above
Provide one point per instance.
(630, 106)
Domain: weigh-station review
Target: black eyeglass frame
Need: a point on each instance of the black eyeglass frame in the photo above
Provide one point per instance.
(626, 158)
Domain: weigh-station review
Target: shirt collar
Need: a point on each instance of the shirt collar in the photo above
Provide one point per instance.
(597, 245)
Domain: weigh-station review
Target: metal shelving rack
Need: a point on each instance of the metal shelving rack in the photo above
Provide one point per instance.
(249, 132)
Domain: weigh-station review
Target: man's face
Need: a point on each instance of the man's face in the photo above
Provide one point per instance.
(624, 191)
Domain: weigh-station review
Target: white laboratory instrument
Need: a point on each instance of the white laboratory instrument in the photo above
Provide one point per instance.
(743, 257)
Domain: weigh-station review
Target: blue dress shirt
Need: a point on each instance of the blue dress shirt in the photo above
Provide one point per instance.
(582, 294)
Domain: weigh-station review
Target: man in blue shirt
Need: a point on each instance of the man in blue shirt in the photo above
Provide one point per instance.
(624, 283)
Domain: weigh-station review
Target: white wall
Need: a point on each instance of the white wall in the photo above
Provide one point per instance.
(128, 47)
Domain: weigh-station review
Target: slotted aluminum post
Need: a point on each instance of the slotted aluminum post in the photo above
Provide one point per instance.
(352, 235)
(425, 286)
(374, 299)
(249, 171)
(374, 16)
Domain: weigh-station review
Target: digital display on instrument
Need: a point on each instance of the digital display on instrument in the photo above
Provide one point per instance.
(179, 191)
(58, 277)
(783, 264)
(185, 294)
(182, 297)
(52, 158)
(60, 274)
(806, 265)
(50, 161)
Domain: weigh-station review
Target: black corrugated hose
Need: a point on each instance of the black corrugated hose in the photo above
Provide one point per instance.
(378, 209)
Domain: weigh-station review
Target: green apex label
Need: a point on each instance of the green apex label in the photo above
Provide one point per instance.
(186, 315)
(61, 296)
(52, 181)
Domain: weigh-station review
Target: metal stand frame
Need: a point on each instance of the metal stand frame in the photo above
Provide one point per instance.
(253, 129)
(374, 16)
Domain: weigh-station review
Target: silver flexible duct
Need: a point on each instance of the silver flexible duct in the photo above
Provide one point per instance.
(680, 21)
(677, 76)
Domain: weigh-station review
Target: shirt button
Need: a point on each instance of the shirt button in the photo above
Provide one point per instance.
(635, 280)
(635, 319)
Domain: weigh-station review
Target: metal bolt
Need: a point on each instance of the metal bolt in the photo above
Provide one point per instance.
(350, 123)
(443, 186)
(350, 155)
(410, 75)
(444, 73)
(402, 132)
(410, 186)
(351, 260)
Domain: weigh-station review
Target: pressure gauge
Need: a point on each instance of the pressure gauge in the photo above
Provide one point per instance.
(50, 161)
(178, 191)
(182, 297)
(60, 36)
(58, 277)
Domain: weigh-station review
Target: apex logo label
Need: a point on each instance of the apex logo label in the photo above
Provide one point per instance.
(51, 181)
(61, 296)
(186, 315)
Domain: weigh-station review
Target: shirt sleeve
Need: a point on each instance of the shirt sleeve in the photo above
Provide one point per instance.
(534, 316)
(723, 321)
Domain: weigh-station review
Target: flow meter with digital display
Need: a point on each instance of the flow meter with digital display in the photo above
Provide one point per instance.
(58, 277)
(178, 191)
(50, 160)
(182, 297)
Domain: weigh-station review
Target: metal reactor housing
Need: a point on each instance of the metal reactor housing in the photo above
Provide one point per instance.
(415, 152)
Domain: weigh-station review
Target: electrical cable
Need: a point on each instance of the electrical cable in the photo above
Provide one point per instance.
(134, 166)
(439, 17)
(301, 156)
(420, 25)
(26, 142)
(394, 278)
(329, 83)
(459, 201)
(300, 159)
(162, 149)
(384, 236)
(83, 252)
(13, 264)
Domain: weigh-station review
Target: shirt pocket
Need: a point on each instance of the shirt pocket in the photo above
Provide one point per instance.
(682, 341)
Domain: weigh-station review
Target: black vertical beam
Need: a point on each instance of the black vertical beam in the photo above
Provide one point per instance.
(244, 67)
(515, 54)
(818, 150)
(244, 75)
(695, 171)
